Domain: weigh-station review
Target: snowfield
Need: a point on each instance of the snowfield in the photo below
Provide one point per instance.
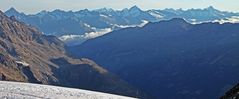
(16, 90)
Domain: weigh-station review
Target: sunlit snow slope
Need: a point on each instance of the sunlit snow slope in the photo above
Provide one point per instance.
(13, 90)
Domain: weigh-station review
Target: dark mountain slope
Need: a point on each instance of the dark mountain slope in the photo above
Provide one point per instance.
(171, 59)
(28, 55)
(232, 93)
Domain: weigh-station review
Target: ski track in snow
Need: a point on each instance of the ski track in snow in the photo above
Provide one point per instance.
(17, 90)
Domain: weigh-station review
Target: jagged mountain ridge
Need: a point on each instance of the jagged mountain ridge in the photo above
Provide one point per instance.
(27, 55)
(93, 23)
(208, 14)
(171, 58)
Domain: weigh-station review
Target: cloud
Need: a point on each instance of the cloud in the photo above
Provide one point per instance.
(144, 22)
(89, 35)
(233, 19)
(97, 33)
(77, 39)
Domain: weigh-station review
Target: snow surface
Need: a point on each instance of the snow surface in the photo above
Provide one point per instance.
(157, 15)
(17, 90)
(23, 63)
(104, 16)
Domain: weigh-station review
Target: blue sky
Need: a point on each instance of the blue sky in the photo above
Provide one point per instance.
(33, 6)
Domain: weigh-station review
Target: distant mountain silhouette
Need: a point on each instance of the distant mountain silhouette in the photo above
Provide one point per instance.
(171, 59)
(61, 23)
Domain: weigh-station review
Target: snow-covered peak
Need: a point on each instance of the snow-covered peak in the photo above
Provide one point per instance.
(104, 10)
(135, 9)
(84, 11)
(210, 8)
(58, 11)
(42, 13)
(169, 9)
(12, 11)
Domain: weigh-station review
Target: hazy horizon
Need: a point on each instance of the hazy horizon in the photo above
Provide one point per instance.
(36, 6)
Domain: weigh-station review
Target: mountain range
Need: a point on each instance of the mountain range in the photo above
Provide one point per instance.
(76, 27)
(27, 55)
(170, 58)
(188, 54)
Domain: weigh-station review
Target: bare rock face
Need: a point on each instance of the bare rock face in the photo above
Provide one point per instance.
(20, 43)
(29, 56)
